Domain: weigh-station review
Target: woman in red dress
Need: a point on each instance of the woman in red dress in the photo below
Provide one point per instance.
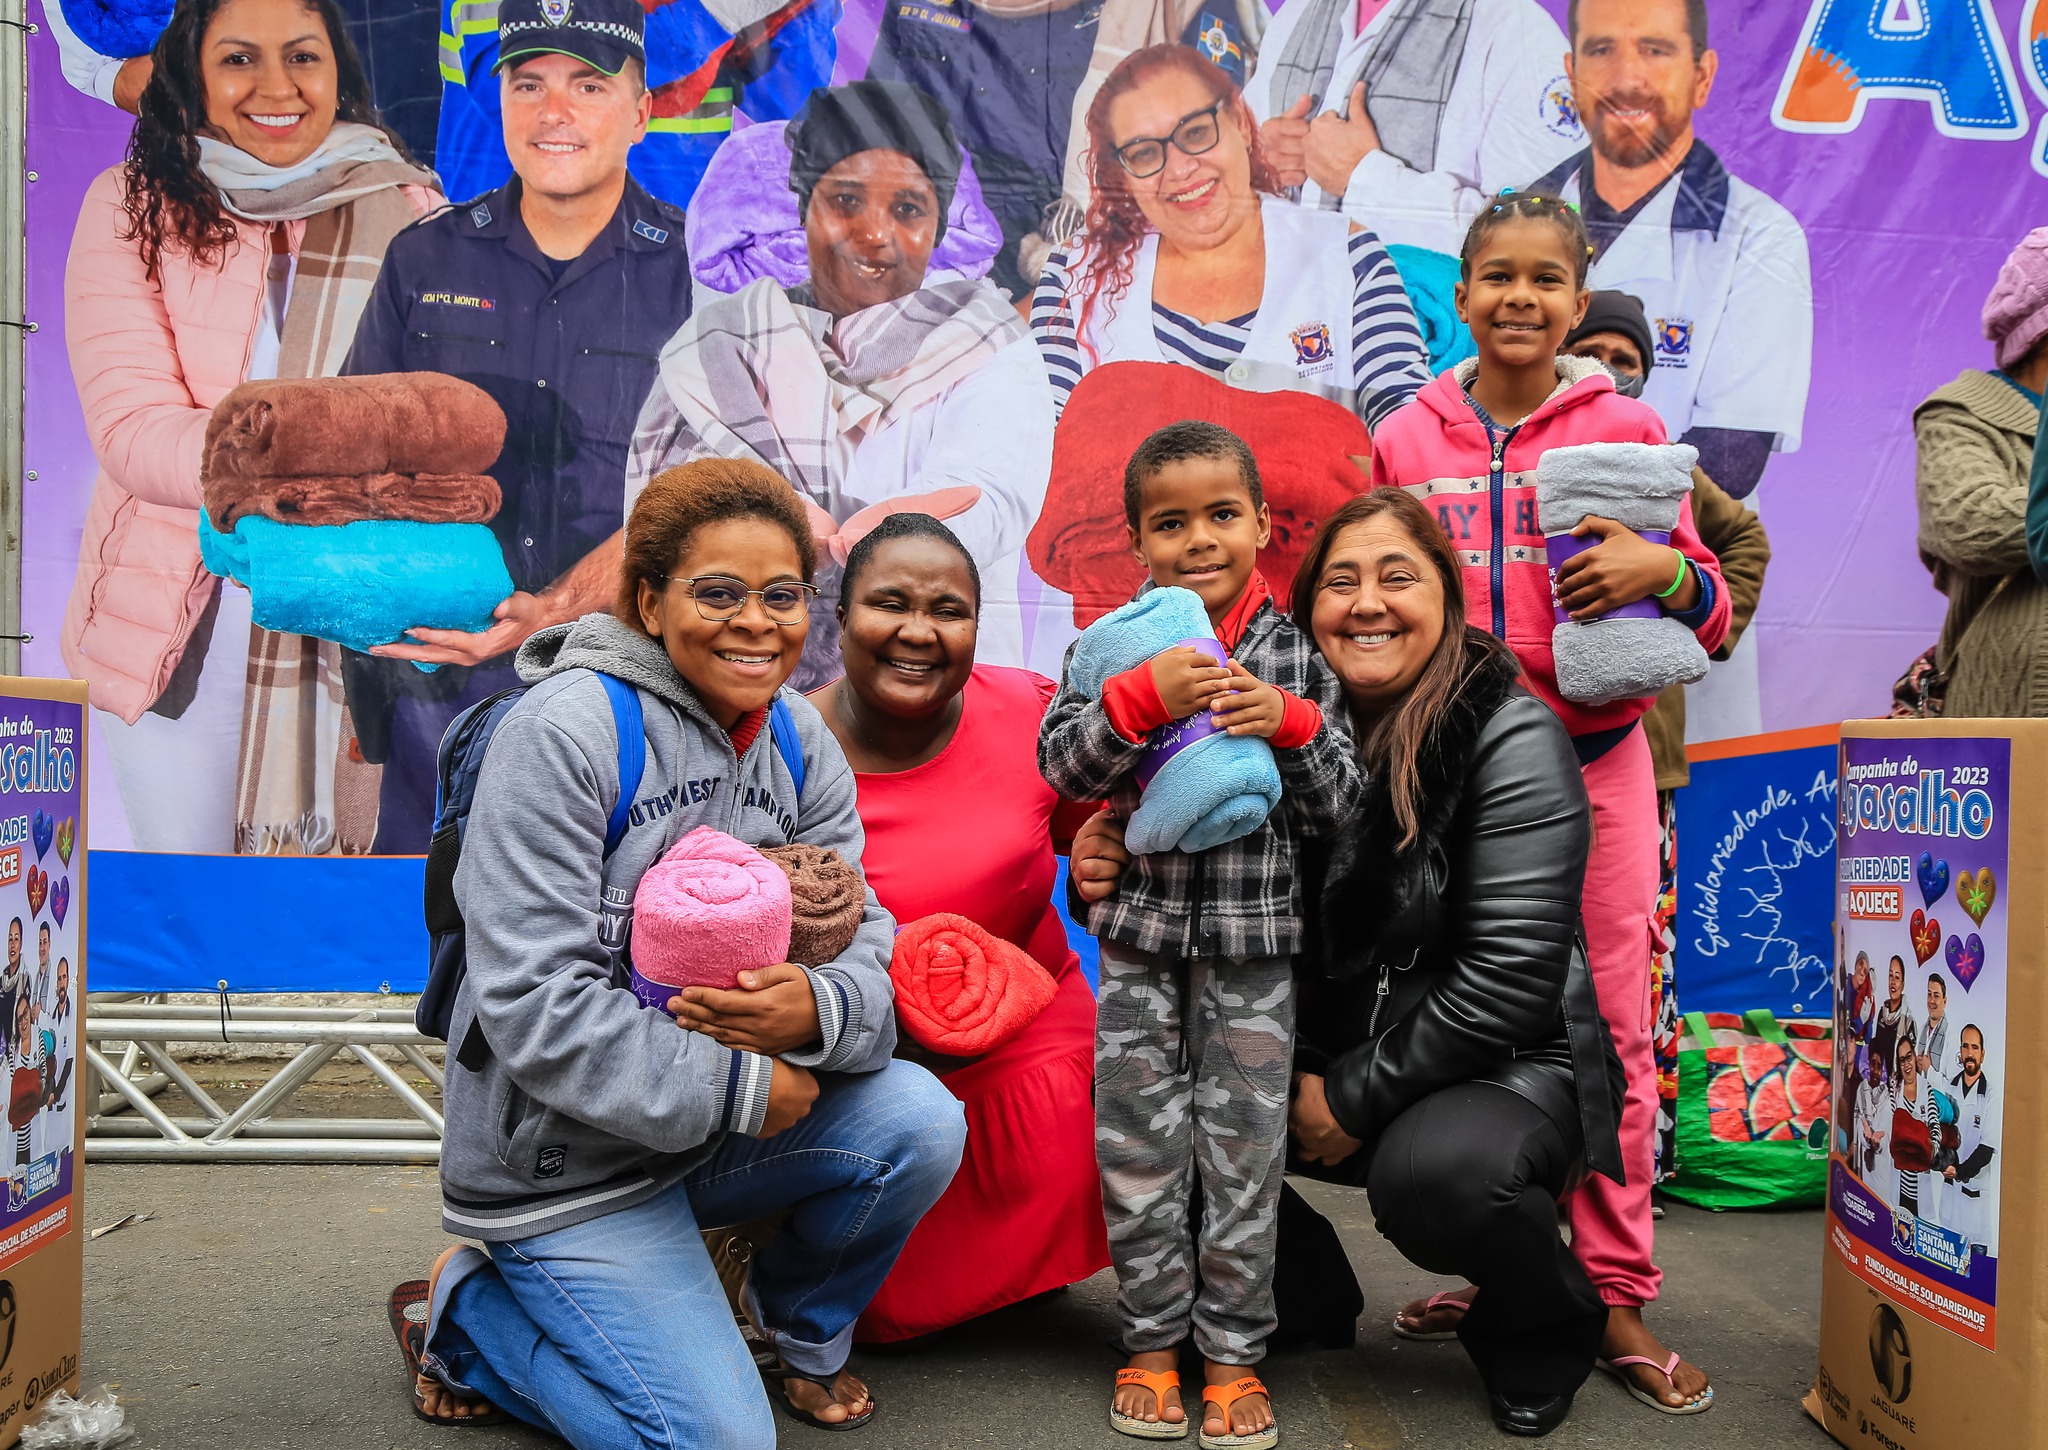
(958, 820)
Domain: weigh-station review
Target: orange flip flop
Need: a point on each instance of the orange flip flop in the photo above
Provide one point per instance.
(1223, 1397)
(1159, 1382)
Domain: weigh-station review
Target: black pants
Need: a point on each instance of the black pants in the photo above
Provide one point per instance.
(1466, 1183)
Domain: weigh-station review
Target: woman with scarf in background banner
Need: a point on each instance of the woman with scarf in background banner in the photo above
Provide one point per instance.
(869, 388)
(239, 240)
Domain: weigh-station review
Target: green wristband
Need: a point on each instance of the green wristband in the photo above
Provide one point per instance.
(1679, 582)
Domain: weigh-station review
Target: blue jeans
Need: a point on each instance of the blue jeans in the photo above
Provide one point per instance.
(615, 1332)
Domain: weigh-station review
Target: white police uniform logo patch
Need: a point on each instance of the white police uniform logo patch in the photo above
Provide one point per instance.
(1559, 111)
(480, 214)
(652, 233)
(555, 12)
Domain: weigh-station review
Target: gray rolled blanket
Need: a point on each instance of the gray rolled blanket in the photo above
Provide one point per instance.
(1637, 650)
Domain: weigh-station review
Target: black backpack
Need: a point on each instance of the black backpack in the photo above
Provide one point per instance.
(458, 764)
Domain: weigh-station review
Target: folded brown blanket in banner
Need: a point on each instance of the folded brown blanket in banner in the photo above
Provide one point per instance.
(962, 990)
(335, 427)
(827, 897)
(428, 498)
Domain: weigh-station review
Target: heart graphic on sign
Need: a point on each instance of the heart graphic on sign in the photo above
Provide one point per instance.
(1966, 959)
(41, 830)
(67, 837)
(1933, 878)
(1977, 892)
(38, 889)
(1926, 936)
(60, 900)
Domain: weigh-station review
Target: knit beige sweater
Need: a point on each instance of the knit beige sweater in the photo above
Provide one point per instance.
(1976, 445)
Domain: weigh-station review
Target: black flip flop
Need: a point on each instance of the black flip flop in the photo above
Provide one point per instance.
(774, 1377)
(408, 1313)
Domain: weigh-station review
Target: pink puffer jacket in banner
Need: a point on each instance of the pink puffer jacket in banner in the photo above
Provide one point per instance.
(150, 360)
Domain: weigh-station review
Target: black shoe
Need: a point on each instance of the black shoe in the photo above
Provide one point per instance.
(1526, 1414)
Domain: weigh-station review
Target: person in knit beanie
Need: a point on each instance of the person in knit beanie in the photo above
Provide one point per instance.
(1976, 449)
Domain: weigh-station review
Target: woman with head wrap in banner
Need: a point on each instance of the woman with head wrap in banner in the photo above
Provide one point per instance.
(1197, 291)
(229, 246)
(870, 388)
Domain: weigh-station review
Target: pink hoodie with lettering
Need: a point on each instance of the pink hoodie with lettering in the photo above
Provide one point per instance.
(1438, 449)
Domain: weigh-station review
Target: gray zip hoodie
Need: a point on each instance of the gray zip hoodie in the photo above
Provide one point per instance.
(586, 1102)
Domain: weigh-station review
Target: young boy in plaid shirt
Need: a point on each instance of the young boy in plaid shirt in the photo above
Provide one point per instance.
(1195, 1028)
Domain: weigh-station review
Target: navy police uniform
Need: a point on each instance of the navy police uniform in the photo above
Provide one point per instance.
(569, 351)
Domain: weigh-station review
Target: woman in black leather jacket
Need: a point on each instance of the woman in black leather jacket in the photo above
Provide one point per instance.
(1450, 1057)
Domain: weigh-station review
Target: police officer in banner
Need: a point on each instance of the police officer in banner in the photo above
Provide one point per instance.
(554, 294)
(1721, 268)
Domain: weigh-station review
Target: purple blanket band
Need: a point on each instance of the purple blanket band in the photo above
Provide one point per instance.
(1560, 547)
(1170, 740)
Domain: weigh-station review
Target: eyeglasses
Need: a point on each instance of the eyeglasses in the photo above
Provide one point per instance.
(1144, 156)
(720, 598)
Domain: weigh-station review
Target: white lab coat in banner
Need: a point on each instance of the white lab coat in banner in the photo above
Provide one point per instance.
(1971, 1209)
(1874, 1116)
(1722, 271)
(1301, 339)
(1508, 118)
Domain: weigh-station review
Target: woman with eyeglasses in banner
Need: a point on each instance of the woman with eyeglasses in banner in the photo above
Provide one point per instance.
(873, 388)
(1196, 290)
(239, 240)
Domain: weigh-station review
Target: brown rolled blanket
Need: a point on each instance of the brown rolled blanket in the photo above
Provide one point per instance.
(827, 897)
(430, 498)
(336, 427)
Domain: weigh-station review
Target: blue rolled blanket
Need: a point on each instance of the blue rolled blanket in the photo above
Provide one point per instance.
(364, 583)
(1204, 787)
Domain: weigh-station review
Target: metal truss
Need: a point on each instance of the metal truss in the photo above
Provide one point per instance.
(131, 1062)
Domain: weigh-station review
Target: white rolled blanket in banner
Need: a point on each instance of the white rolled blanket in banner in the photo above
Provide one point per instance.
(1638, 649)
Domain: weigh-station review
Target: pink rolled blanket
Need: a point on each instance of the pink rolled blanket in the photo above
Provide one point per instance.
(713, 907)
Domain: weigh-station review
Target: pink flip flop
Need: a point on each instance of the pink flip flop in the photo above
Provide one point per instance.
(1436, 1302)
(1668, 1368)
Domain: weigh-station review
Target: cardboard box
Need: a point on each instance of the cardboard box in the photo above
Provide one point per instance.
(1933, 1310)
(42, 991)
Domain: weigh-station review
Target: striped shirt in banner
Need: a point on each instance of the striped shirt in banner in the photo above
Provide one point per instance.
(1389, 362)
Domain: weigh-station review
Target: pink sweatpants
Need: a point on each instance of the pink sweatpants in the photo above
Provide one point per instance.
(1611, 1228)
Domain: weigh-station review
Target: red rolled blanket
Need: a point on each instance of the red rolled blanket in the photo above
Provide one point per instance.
(428, 498)
(1305, 446)
(337, 427)
(961, 990)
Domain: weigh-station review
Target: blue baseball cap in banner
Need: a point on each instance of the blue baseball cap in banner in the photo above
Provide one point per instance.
(604, 34)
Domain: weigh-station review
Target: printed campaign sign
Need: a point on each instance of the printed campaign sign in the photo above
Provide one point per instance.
(1756, 869)
(1920, 1039)
(42, 903)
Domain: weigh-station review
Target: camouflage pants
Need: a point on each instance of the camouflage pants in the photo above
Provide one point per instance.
(1175, 1098)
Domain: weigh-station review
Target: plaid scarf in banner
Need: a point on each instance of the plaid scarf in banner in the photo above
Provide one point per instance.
(763, 375)
(302, 787)
(1408, 70)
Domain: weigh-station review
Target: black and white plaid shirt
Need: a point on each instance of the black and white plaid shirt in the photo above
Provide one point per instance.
(1241, 899)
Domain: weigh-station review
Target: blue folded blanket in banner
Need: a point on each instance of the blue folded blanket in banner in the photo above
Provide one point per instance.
(364, 583)
(1201, 787)
(1431, 281)
(119, 29)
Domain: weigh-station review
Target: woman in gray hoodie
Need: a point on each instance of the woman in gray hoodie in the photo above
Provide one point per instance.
(590, 1140)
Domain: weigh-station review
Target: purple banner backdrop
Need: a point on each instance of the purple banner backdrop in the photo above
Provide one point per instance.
(1907, 216)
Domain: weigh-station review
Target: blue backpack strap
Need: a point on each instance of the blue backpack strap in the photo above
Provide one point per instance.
(632, 755)
(782, 725)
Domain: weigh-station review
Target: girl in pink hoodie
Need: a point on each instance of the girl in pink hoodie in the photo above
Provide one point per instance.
(1468, 448)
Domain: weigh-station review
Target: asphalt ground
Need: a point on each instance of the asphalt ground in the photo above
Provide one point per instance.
(248, 1314)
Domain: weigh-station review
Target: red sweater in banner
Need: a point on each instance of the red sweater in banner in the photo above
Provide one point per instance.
(972, 832)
